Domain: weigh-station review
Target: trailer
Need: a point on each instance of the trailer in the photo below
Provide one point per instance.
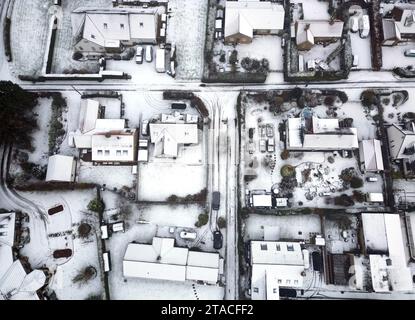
(161, 60)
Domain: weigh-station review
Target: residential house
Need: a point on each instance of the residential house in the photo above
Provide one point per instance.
(110, 30)
(161, 260)
(401, 141)
(276, 265)
(313, 134)
(311, 32)
(246, 18)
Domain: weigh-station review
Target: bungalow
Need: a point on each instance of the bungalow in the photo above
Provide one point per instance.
(110, 30)
(314, 134)
(246, 18)
(171, 131)
(311, 32)
(61, 169)
(161, 260)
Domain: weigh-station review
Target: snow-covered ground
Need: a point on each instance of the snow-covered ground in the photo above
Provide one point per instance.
(187, 29)
(294, 227)
(158, 181)
(41, 136)
(85, 251)
(112, 176)
(394, 56)
(29, 31)
(314, 9)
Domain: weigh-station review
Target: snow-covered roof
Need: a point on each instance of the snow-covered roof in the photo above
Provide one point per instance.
(246, 16)
(61, 168)
(168, 136)
(114, 146)
(152, 270)
(375, 197)
(203, 259)
(262, 200)
(390, 30)
(267, 279)
(88, 115)
(15, 284)
(107, 27)
(374, 232)
(396, 244)
(162, 260)
(401, 139)
(371, 154)
(7, 229)
(405, 19)
(275, 252)
(309, 30)
(325, 134)
(388, 276)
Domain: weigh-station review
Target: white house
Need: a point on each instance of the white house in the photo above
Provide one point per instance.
(310, 32)
(276, 264)
(245, 18)
(109, 30)
(171, 131)
(114, 146)
(370, 154)
(61, 168)
(384, 242)
(314, 134)
(400, 27)
(401, 141)
(161, 260)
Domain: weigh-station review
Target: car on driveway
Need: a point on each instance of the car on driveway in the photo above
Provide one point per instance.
(217, 240)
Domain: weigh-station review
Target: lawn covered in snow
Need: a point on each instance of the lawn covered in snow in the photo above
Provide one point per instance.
(187, 29)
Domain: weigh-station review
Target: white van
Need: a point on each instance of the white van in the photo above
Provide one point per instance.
(410, 53)
(354, 24)
(188, 235)
(355, 61)
(149, 53)
(364, 26)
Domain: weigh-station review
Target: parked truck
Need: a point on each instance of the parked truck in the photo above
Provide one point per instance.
(161, 60)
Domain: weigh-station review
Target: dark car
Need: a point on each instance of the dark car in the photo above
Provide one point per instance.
(215, 200)
(55, 210)
(178, 106)
(217, 240)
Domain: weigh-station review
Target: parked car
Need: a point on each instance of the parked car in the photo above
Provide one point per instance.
(139, 55)
(262, 145)
(410, 53)
(144, 128)
(149, 53)
(354, 24)
(217, 240)
(188, 235)
(215, 200)
(372, 179)
(271, 145)
(355, 61)
(364, 26)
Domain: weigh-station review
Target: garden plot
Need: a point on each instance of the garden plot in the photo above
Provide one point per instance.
(158, 181)
(294, 227)
(62, 58)
(110, 176)
(187, 29)
(29, 30)
(261, 47)
(394, 56)
(341, 233)
(361, 48)
(85, 250)
(41, 153)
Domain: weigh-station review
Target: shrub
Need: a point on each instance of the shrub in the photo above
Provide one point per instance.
(85, 275)
(96, 205)
(368, 98)
(287, 171)
(77, 55)
(356, 182)
(202, 220)
(84, 230)
(285, 154)
(358, 196)
(222, 58)
(233, 57)
(329, 101)
(343, 200)
(221, 223)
